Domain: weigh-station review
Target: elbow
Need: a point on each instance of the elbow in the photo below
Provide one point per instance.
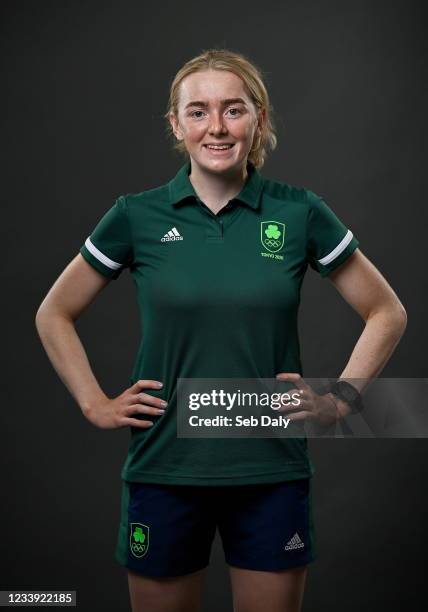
(394, 317)
(399, 316)
(38, 319)
(41, 311)
(42, 317)
(397, 319)
(46, 313)
(400, 323)
(401, 319)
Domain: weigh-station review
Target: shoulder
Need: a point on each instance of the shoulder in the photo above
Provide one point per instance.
(282, 190)
(154, 194)
(137, 201)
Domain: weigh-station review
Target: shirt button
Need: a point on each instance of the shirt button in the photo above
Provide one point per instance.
(221, 221)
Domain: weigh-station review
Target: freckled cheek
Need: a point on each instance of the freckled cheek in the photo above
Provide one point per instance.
(243, 132)
(195, 133)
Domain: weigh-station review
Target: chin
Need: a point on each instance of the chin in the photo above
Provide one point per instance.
(220, 165)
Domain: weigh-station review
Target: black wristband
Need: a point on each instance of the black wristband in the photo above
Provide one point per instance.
(348, 393)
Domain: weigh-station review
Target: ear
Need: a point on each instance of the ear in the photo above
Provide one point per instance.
(261, 119)
(175, 126)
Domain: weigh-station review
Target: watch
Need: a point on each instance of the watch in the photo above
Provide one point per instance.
(348, 393)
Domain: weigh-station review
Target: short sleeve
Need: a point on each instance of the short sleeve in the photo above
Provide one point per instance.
(109, 247)
(329, 241)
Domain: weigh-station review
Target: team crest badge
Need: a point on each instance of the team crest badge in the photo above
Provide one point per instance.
(272, 235)
(138, 539)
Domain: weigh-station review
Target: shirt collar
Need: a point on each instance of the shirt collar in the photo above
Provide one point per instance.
(180, 187)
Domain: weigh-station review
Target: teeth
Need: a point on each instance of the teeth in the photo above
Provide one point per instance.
(218, 147)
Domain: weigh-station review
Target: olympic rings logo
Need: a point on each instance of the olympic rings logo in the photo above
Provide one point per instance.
(272, 243)
(138, 548)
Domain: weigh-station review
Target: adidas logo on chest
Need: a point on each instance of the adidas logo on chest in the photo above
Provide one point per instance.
(172, 235)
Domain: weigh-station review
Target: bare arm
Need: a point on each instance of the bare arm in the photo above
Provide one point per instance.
(366, 290)
(369, 294)
(73, 291)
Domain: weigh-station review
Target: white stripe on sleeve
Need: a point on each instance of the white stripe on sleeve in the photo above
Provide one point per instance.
(114, 265)
(337, 251)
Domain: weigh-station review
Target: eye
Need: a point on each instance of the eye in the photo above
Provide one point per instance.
(236, 112)
(193, 113)
(236, 109)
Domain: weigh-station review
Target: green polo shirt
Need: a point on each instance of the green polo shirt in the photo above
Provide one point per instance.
(218, 297)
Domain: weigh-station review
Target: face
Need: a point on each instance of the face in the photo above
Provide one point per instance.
(215, 109)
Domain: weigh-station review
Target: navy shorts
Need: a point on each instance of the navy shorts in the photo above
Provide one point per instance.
(168, 530)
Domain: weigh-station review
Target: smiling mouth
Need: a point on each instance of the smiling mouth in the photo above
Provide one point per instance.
(219, 147)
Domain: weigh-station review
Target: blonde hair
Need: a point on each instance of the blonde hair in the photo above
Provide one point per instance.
(251, 75)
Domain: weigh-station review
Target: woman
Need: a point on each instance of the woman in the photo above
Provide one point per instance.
(217, 255)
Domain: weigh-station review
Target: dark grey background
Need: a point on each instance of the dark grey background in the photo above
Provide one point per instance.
(85, 85)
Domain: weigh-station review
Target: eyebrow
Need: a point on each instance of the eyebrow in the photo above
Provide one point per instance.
(224, 102)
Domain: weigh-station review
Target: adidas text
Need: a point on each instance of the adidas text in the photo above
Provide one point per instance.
(173, 234)
(295, 542)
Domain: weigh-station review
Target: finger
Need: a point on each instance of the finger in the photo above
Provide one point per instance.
(145, 398)
(142, 409)
(300, 416)
(146, 384)
(302, 405)
(137, 423)
(286, 399)
(295, 401)
(293, 377)
(296, 395)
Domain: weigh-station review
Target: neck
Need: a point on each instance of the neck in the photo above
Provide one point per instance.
(216, 189)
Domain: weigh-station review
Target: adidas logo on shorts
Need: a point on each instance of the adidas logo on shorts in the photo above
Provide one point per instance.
(173, 234)
(295, 542)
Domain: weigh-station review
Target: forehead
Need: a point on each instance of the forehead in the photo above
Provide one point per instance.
(212, 86)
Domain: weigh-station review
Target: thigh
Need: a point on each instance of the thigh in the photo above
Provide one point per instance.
(256, 591)
(269, 527)
(171, 594)
(165, 531)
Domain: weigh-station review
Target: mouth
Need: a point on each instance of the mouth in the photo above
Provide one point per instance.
(219, 149)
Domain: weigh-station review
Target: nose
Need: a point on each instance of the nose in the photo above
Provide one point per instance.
(216, 125)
